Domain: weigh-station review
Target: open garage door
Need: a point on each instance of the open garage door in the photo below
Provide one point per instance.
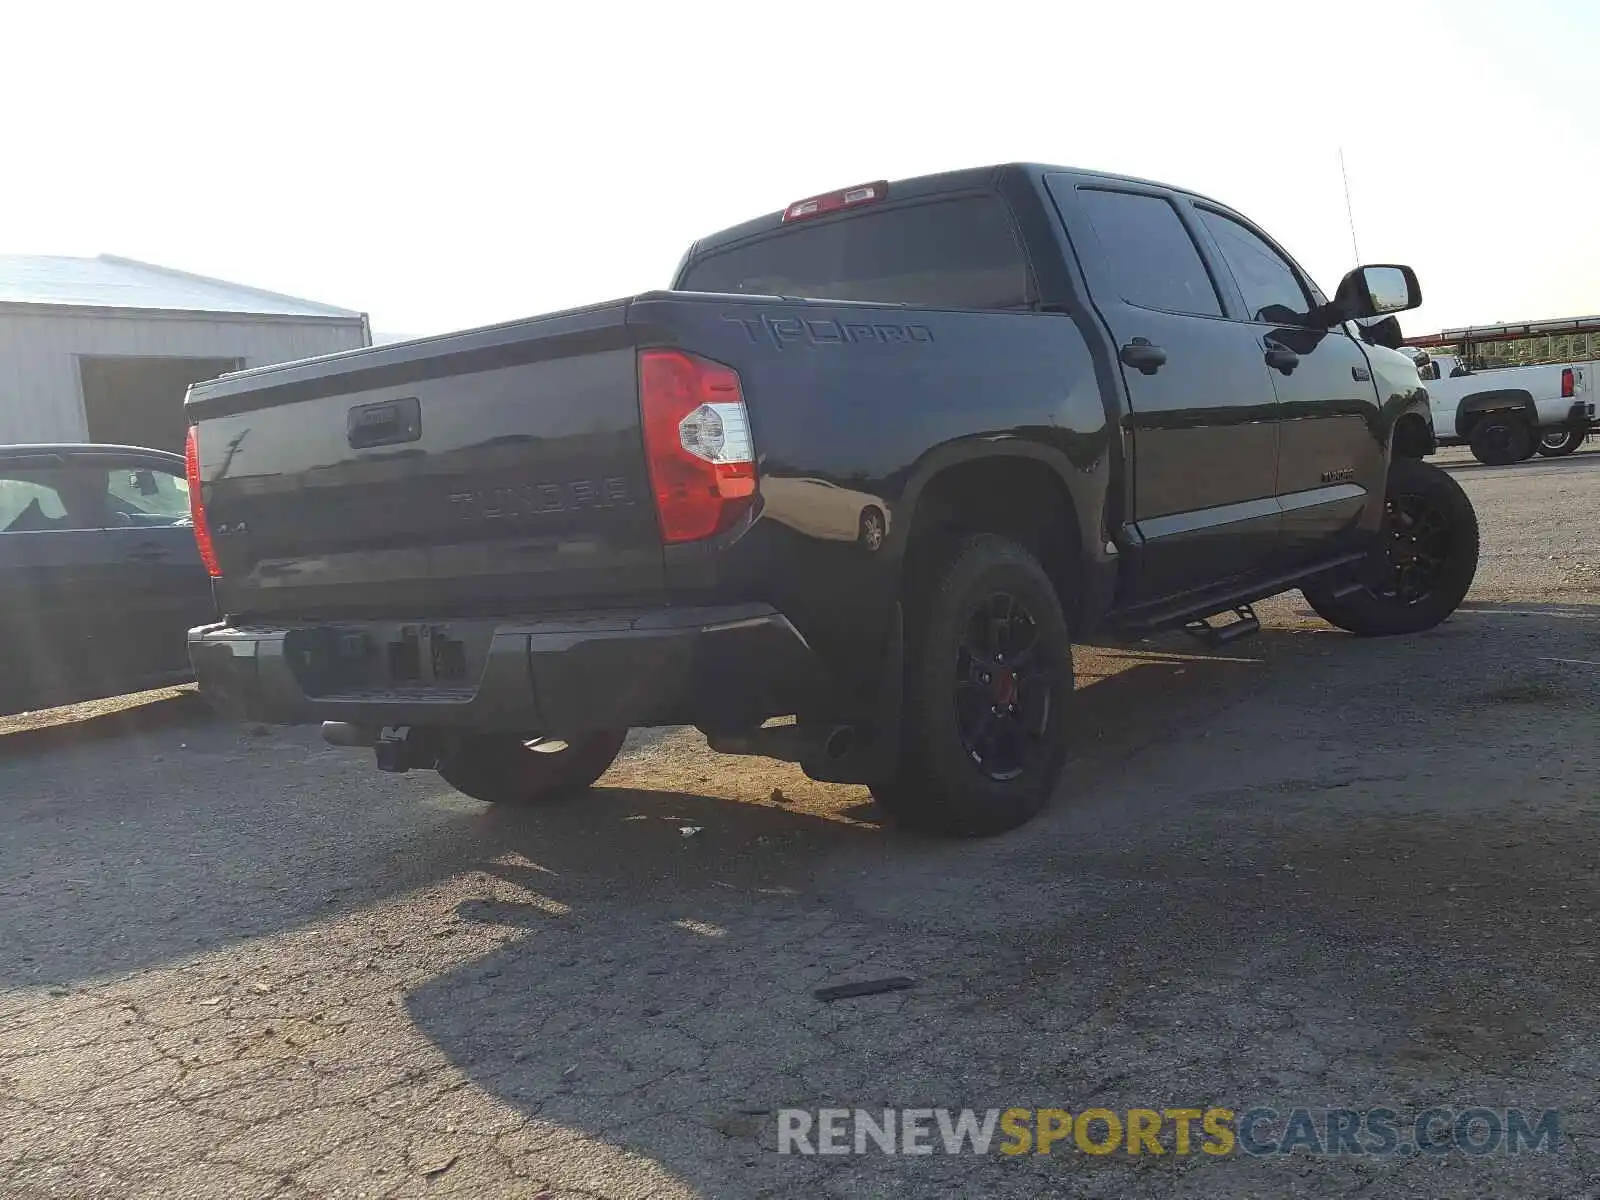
(139, 401)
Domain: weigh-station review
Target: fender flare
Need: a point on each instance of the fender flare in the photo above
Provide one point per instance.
(1085, 486)
(1501, 400)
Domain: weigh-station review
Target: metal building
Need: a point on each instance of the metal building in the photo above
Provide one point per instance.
(102, 349)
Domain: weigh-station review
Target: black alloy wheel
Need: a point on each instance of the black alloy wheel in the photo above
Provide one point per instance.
(1430, 546)
(1418, 535)
(984, 720)
(1003, 690)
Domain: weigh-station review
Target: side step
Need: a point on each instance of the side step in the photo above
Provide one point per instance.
(1245, 624)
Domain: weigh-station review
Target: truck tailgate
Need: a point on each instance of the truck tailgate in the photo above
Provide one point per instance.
(496, 470)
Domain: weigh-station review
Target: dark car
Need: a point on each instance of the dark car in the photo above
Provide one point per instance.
(1063, 400)
(100, 577)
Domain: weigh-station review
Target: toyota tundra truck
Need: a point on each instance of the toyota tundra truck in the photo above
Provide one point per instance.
(845, 495)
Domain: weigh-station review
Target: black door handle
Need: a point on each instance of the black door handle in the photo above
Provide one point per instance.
(1142, 356)
(1280, 358)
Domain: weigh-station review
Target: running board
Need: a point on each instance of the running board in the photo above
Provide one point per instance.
(1245, 624)
(1183, 610)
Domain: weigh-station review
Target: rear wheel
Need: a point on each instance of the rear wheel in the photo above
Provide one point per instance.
(1562, 442)
(507, 768)
(872, 528)
(1500, 439)
(988, 680)
(1431, 533)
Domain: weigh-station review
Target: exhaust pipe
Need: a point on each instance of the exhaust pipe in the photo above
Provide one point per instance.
(789, 743)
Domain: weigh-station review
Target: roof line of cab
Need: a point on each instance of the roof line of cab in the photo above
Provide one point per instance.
(942, 183)
(84, 449)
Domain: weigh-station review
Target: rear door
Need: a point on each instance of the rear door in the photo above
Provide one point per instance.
(1331, 450)
(1203, 420)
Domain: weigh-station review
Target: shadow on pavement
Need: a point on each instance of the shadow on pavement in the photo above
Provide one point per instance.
(1518, 608)
(1333, 829)
(160, 833)
(1303, 901)
(1577, 461)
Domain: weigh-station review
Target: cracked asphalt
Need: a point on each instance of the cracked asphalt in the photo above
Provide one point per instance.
(1305, 870)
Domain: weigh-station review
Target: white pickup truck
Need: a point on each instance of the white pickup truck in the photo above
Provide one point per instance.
(1510, 413)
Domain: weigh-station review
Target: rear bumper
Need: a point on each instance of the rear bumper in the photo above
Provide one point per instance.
(548, 675)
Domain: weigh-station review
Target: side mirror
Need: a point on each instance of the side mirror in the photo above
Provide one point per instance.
(1377, 291)
(1385, 332)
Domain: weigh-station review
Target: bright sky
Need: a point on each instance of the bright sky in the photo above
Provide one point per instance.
(462, 163)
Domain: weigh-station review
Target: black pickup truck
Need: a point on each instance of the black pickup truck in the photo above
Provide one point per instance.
(875, 462)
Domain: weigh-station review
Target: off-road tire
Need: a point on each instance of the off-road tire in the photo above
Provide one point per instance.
(1570, 440)
(1415, 487)
(501, 768)
(1500, 439)
(941, 785)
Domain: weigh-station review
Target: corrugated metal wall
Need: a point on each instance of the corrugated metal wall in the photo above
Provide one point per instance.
(40, 396)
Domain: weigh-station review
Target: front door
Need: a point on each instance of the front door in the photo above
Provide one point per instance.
(164, 590)
(1203, 421)
(1332, 456)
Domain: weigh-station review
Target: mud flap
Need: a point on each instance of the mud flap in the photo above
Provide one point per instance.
(875, 756)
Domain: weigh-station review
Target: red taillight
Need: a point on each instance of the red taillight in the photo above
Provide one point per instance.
(815, 206)
(197, 505)
(1569, 387)
(697, 441)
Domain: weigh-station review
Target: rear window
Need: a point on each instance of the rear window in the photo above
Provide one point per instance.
(948, 254)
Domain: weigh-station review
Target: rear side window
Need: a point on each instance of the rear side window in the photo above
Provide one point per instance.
(1154, 262)
(959, 253)
(28, 501)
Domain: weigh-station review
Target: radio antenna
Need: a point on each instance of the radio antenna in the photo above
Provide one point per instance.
(1349, 210)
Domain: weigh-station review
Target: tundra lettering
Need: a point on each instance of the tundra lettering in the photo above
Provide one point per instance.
(788, 331)
(534, 499)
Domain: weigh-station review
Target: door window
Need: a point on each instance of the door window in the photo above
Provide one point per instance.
(1271, 287)
(148, 495)
(51, 496)
(25, 501)
(1154, 262)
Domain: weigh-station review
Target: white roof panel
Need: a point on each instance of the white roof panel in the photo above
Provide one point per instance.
(111, 282)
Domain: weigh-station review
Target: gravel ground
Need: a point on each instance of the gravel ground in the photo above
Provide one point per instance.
(1307, 870)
